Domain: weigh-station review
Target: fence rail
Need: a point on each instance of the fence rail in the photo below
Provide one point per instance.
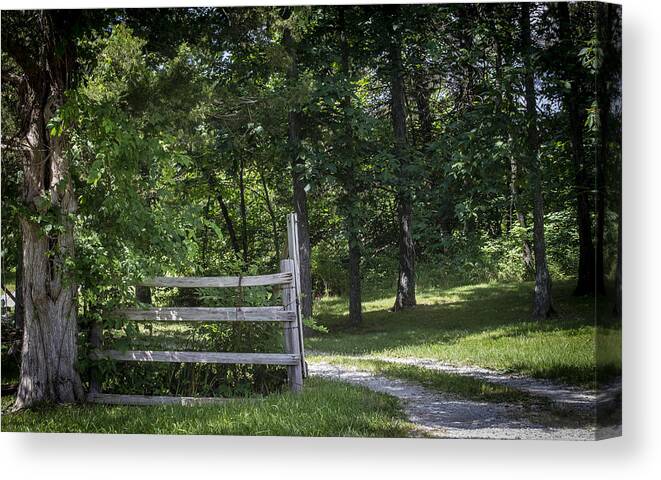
(281, 278)
(196, 357)
(289, 314)
(206, 314)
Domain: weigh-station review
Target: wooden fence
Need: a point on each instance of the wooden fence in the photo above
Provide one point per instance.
(289, 314)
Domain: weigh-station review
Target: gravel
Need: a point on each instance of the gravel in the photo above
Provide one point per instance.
(447, 416)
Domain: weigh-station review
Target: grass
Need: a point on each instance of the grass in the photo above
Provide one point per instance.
(485, 325)
(325, 409)
(466, 387)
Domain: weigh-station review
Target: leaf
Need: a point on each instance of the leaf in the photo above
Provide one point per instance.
(95, 172)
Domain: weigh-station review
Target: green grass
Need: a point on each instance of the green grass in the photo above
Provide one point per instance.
(466, 387)
(485, 325)
(325, 408)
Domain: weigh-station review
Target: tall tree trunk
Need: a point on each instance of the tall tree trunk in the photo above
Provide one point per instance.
(422, 94)
(543, 302)
(224, 211)
(242, 209)
(300, 195)
(49, 352)
(526, 250)
(604, 25)
(445, 210)
(18, 304)
(351, 193)
(586, 265)
(617, 308)
(205, 238)
(274, 220)
(515, 193)
(228, 223)
(406, 279)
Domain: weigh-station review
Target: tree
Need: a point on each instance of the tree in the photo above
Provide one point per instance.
(351, 206)
(300, 200)
(42, 44)
(405, 297)
(506, 107)
(604, 19)
(575, 112)
(543, 302)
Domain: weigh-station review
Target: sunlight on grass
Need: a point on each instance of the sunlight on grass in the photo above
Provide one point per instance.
(485, 325)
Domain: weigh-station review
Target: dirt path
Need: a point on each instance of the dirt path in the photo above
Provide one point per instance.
(447, 416)
(562, 395)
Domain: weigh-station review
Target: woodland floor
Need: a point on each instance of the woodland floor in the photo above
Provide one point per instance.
(465, 363)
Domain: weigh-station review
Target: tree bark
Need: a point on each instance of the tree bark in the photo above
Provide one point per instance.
(49, 352)
(604, 25)
(526, 250)
(242, 209)
(406, 279)
(351, 193)
(543, 302)
(586, 266)
(617, 308)
(229, 224)
(274, 220)
(298, 181)
(18, 304)
(143, 294)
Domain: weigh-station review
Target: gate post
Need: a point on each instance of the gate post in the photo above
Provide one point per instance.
(294, 254)
(292, 342)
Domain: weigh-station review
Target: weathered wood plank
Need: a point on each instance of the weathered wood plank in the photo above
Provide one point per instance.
(206, 282)
(196, 357)
(292, 345)
(294, 254)
(205, 314)
(116, 399)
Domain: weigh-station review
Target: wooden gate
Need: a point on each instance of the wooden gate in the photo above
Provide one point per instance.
(289, 314)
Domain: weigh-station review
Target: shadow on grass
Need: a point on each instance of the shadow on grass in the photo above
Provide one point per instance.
(487, 325)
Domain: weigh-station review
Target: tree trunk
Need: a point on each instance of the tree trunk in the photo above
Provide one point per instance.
(49, 352)
(352, 221)
(143, 294)
(422, 94)
(515, 193)
(298, 181)
(526, 250)
(604, 19)
(543, 303)
(406, 279)
(50, 349)
(226, 215)
(205, 238)
(18, 304)
(617, 308)
(274, 220)
(586, 266)
(242, 209)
